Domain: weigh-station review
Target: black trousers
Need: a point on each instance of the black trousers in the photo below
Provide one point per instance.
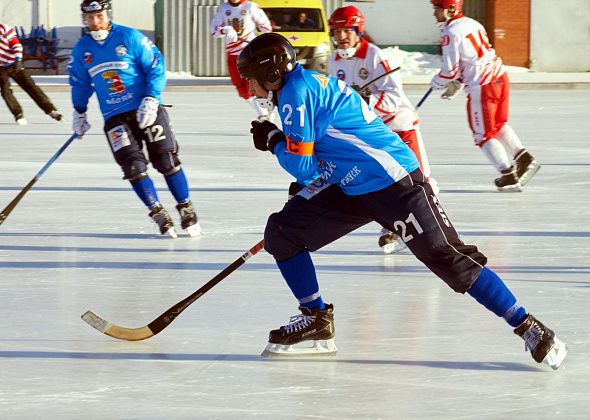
(24, 80)
(311, 220)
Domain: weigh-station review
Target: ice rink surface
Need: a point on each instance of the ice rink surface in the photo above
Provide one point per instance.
(408, 347)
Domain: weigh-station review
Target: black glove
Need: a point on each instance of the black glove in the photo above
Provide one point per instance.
(18, 65)
(266, 135)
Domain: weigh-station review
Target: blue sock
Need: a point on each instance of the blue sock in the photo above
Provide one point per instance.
(146, 191)
(489, 290)
(178, 186)
(299, 273)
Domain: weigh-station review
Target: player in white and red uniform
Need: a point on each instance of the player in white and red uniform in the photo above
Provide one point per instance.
(468, 60)
(366, 68)
(238, 21)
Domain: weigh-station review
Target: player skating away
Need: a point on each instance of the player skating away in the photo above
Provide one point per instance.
(358, 62)
(11, 67)
(368, 174)
(469, 60)
(127, 72)
(238, 21)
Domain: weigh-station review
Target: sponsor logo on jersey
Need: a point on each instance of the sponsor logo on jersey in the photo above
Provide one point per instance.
(314, 188)
(121, 50)
(244, 12)
(110, 65)
(147, 43)
(445, 41)
(114, 80)
(88, 57)
(227, 12)
(341, 74)
(363, 73)
(350, 176)
(323, 80)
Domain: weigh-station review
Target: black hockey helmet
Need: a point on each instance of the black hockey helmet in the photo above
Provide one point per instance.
(267, 58)
(91, 6)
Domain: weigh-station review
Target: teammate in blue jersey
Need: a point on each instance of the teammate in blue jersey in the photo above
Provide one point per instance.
(127, 73)
(367, 174)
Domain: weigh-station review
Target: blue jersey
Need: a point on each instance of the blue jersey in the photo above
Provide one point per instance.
(122, 70)
(331, 132)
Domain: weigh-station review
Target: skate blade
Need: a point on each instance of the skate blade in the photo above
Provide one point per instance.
(171, 233)
(510, 188)
(319, 348)
(531, 171)
(556, 356)
(194, 230)
(394, 247)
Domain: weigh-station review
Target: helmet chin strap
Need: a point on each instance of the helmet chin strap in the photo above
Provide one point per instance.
(268, 102)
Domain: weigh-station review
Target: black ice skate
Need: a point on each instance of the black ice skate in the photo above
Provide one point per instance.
(312, 325)
(526, 166)
(508, 182)
(390, 242)
(163, 220)
(545, 347)
(188, 219)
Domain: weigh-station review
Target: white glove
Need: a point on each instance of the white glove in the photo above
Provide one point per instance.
(453, 90)
(438, 83)
(230, 34)
(79, 123)
(147, 112)
(404, 119)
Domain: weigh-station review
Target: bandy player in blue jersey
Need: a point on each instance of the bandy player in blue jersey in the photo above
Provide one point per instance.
(127, 72)
(367, 173)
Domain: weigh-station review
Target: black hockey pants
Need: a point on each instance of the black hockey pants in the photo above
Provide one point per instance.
(409, 208)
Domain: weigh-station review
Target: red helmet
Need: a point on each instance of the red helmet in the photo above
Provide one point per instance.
(446, 4)
(347, 17)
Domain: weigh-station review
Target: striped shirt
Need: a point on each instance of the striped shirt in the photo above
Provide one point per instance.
(11, 49)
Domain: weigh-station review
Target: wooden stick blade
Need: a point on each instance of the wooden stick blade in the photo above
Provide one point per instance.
(115, 331)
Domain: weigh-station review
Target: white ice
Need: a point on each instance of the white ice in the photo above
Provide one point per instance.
(408, 347)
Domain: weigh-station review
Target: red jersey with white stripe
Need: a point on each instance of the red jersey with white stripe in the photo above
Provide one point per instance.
(246, 19)
(467, 54)
(11, 50)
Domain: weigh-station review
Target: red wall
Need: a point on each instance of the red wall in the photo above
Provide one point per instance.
(509, 22)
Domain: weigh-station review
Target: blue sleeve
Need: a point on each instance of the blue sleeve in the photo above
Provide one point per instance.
(297, 110)
(79, 81)
(151, 62)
